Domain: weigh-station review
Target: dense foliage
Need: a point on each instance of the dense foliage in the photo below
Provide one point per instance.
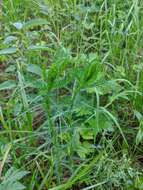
(71, 94)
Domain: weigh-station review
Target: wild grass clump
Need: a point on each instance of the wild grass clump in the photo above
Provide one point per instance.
(71, 95)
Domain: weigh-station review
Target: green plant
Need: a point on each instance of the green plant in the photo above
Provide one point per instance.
(11, 180)
(71, 93)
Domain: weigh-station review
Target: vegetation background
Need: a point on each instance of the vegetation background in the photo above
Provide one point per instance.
(71, 95)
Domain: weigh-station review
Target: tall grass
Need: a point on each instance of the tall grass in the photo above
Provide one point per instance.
(71, 113)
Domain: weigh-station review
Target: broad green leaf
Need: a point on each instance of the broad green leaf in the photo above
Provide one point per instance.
(86, 133)
(81, 148)
(105, 87)
(34, 22)
(92, 73)
(82, 111)
(7, 85)
(33, 68)
(103, 123)
(13, 175)
(11, 180)
(8, 51)
(12, 186)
